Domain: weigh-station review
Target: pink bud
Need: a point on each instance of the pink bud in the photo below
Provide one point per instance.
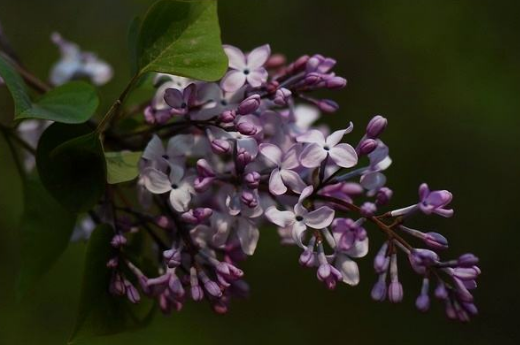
(335, 83)
(327, 105)
(220, 146)
(247, 128)
(376, 126)
(228, 116)
(249, 105)
(252, 180)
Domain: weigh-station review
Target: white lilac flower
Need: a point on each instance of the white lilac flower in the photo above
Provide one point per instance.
(75, 63)
(282, 175)
(245, 68)
(176, 183)
(175, 153)
(319, 148)
(300, 218)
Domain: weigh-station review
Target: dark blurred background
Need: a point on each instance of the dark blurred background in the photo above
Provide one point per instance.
(445, 73)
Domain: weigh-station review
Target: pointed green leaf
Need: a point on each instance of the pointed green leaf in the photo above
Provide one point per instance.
(16, 86)
(72, 165)
(44, 234)
(122, 166)
(74, 102)
(101, 313)
(182, 38)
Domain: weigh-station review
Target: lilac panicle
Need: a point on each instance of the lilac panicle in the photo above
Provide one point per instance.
(222, 159)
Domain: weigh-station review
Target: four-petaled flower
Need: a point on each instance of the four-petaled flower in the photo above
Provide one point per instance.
(301, 218)
(282, 175)
(245, 68)
(180, 186)
(319, 149)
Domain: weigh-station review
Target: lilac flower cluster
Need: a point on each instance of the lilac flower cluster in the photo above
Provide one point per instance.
(226, 157)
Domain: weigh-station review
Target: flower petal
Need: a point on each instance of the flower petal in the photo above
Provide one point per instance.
(276, 185)
(280, 218)
(344, 155)
(258, 56)
(297, 232)
(271, 152)
(233, 80)
(248, 235)
(348, 268)
(237, 59)
(156, 181)
(256, 77)
(335, 137)
(312, 156)
(312, 136)
(154, 150)
(180, 145)
(222, 224)
(180, 199)
(173, 97)
(373, 180)
(248, 144)
(305, 193)
(176, 174)
(293, 180)
(319, 218)
(359, 250)
(290, 158)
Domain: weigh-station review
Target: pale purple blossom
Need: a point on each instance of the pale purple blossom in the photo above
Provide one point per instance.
(245, 68)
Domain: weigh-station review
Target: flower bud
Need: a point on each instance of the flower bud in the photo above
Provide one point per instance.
(228, 116)
(163, 222)
(220, 146)
(118, 241)
(252, 180)
(335, 83)
(131, 293)
(376, 126)
(368, 209)
(275, 61)
(395, 292)
(246, 128)
(440, 291)
(312, 79)
(327, 105)
(467, 260)
(435, 240)
(249, 199)
(366, 147)
(378, 292)
(422, 302)
(282, 96)
(249, 105)
(243, 158)
(383, 196)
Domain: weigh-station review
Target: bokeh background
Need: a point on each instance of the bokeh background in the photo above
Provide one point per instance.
(445, 73)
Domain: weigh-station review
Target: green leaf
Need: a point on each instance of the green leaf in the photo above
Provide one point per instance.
(122, 166)
(101, 313)
(72, 165)
(74, 102)
(16, 86)
(182, 38)
(45, 233)
(11, 187)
